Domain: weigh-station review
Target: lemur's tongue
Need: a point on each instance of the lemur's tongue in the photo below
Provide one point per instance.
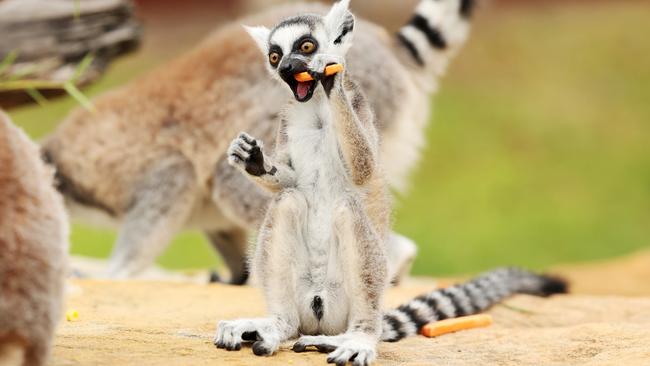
(303, 89)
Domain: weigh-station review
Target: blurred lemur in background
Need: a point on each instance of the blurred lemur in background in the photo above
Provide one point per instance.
(153, 155)
(33, 250)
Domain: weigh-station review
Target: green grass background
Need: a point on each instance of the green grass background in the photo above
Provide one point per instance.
(539, 148)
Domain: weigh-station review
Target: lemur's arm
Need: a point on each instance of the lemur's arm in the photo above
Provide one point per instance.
(355, 128)
(272, 173)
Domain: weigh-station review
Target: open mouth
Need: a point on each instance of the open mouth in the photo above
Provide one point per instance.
(302, 91)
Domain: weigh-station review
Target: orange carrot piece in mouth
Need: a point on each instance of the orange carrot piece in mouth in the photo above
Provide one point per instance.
(329, 71)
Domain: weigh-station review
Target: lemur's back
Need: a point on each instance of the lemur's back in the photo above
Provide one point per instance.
(33, 244)
(195, 103)
(173, 126)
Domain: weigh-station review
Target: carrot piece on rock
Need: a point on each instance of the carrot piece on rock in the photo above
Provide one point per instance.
(456, 324)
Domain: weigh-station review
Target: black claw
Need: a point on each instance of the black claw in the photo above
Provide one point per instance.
(341, 362)
(353, 357)
(325, 348)
(245, 138)
(299, 347)
(260, 350)
(330, 360)
(250, 336)
(365, 363)
(245, 147)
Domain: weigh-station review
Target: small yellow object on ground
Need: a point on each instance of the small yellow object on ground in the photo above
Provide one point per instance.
(456, 324)
(329, 71)
(72, 315)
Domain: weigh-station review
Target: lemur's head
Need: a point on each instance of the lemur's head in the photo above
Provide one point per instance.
(291, 45)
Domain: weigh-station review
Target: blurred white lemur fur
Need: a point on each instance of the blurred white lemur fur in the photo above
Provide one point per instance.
(321, 250)
(153, 156)
(33, 250)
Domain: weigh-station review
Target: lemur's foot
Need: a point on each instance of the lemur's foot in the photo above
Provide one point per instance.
(262, 333)
(357, 348)
(245, 153)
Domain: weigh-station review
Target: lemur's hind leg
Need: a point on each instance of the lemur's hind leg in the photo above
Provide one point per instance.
(233, 246)
(161, 204)
(362, 254)
(277, 246)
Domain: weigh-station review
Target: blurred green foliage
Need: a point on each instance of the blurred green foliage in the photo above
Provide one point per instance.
(539, 148)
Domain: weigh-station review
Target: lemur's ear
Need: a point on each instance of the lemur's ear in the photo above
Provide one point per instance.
(339, 23)
(261, 36)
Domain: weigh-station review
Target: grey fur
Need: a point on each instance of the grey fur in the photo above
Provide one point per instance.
(310, 20)
(160, 204)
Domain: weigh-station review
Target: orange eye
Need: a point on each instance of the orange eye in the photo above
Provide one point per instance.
(307, 47)
(274, 58)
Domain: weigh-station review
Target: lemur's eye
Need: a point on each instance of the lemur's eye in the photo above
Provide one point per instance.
(274, 58)
(307, 47)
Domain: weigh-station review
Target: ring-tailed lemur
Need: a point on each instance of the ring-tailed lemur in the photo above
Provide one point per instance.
(153, 155)
(33, 245)
(321, 250)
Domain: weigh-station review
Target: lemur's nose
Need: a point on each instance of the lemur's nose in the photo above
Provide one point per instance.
(286, 68)
(290, 66)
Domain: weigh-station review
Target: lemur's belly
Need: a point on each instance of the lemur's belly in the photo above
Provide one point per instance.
(321, 177)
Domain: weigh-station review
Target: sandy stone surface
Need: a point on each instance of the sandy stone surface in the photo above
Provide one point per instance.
(167, 323)
(628, 276)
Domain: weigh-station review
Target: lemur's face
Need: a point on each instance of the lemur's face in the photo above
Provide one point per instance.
(291, 45)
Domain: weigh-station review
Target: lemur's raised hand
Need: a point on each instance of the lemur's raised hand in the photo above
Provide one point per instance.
(246, 153)
(321, 250)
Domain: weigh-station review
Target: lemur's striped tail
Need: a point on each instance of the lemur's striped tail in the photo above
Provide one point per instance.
(436, 31)
(467, 298)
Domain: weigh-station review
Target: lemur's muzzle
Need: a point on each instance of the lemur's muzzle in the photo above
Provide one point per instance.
(291, 66)
(287, 69)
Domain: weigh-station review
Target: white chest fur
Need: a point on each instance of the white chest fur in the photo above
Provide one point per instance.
(314, 151)
(322, 178)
